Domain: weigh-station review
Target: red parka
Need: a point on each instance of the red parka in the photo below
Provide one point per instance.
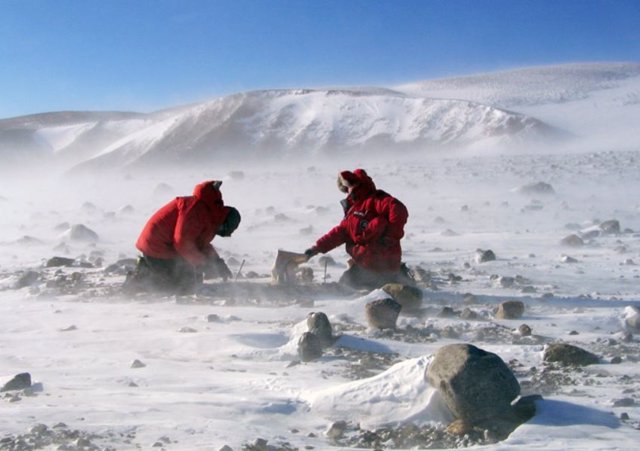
(372, 226)
(185, 226)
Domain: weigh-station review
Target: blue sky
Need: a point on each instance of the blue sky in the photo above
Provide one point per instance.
(142, 55)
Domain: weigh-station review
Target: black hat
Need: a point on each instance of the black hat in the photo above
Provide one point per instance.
(231, 222)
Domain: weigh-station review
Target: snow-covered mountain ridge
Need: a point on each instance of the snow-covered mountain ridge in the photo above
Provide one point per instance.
(439, 114)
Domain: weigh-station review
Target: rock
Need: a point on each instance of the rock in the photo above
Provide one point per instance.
(55, 262)
(474, 384)
(122, 266)
(80, 232)
(510, 310)
(18, 382)
(409, 297)
(572, 240)
(26, 279)
(468, 314)
(632, 318)
(568, 355)
(568, 259)
(536, 188)
(319, 325)
(610, 226)
(309, 347)
(524, 330)
(483, 256)
(469, 299)
(336, 430)
(137, 364)
(382, 313)
(447, 312)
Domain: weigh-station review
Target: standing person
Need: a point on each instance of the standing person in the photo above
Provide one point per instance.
(176, 241)
(372, 228)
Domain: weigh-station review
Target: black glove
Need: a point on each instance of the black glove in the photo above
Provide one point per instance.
(311, 252)
(216, 267)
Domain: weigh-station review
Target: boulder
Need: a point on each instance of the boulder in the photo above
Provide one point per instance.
(610, 226)
(309, 347)
(17, 382)
(382, 313)
(80, 232)
(319, 325)
(510, 310)
(409, 297)
(569, 355)
(572, 240)
(483, 256)
(632, 318)
(26, 279)
(55, 262)
(536, 188)
(474, 384)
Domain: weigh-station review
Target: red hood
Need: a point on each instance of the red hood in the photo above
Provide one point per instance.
(362, 184)
(209, 194)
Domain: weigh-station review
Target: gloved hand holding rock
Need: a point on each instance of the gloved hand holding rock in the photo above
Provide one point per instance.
(311, 252)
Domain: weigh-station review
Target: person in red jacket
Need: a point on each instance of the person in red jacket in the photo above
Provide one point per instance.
(176, 241)
(372, 228)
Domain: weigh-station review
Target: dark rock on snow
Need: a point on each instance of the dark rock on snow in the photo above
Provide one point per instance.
(569, 355)
(18, 382)
(309, 347)
(474, 384)
(410, 298)
(382, 313)
(510, 310)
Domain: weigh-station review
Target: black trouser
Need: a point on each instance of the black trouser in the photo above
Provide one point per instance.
(174, 274)
(360, 278)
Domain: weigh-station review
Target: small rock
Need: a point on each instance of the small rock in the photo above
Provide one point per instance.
(510, 310)
(483, 256)
(409, 297)
(382, 313)
(54, 262)
(336, 430)
(524, 330)
(18, 382)
(610, 226)
(309, 347)
(569, 355)
(137, 364)
(319, 325)
(572, 240)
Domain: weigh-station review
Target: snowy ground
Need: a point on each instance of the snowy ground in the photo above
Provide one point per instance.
(228, 379)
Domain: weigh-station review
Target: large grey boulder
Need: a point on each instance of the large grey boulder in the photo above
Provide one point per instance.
(475, 384)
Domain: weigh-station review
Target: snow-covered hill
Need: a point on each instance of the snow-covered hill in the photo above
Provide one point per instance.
(504, 110)
(279, 123)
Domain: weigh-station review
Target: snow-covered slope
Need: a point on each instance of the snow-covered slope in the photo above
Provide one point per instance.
(504, 110)
(600, 101)
(287, 122)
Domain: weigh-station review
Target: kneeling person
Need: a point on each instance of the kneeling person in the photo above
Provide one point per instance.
(176, 242)
(371, 230)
